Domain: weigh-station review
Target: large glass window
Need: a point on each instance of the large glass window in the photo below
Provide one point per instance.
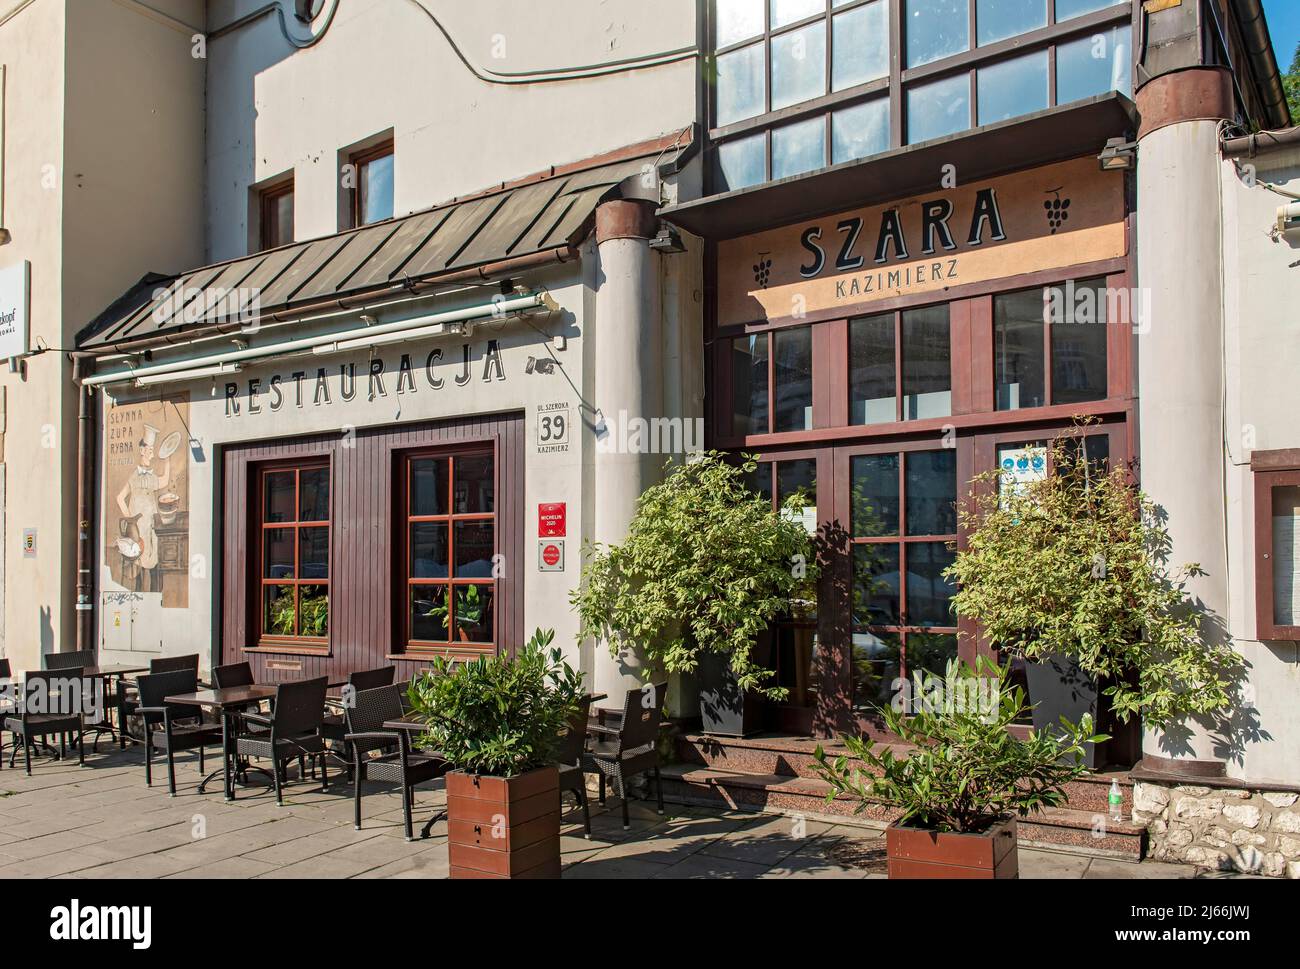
(277, 215)
(798, 147)
(860, 48)
(798, 65)
(1059, 332)
(449, 516)
(1093, 65)
(741, 85)
(794, 381)
(881, 392)
(738, 20)
(785, 392)
(904, 524)
(294, 554)
(936, 29)
(742, 163)
(938, 109)
(1012, 87)
(860, 131)
(749, 384)
(1000, 19)
(374, 194)
(927, 363)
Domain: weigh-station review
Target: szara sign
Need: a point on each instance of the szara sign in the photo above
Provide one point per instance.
(15, 288)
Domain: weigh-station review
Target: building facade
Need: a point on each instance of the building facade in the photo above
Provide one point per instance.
(440, 286)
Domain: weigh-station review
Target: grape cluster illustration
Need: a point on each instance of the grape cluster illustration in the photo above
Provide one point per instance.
(762, 272)
(1058, 213)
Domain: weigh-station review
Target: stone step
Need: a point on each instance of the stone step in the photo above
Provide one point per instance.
(793, 757)
(1067, 830)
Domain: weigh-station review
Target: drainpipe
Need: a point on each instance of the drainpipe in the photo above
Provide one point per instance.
(1248, 146)
(85, 489)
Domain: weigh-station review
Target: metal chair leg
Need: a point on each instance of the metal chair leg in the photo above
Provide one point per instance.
(406, 812)
(622, 793)
(171, 772)
(27, 754)
(356, 800)
(148, 761)
(586, 813)
(659, 789)
(275, 771)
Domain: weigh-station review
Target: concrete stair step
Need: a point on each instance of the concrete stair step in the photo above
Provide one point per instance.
(793, 757)
(1068, 830)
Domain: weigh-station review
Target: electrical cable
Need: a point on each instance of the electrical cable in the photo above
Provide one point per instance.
(557, 74)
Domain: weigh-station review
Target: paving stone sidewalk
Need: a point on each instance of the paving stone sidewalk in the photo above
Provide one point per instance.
(101, 821)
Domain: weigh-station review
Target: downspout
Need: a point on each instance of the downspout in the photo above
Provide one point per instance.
(1263, 63)
(85, 489)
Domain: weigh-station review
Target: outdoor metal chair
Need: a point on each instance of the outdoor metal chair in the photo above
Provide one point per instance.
(386, 756)
(292, 730)
(569, 760)
(68, 661)
(58, 712)
(172, 727)
(335, 727)
(170, 664)
(128, 698)
(619, 754)
(7, 705)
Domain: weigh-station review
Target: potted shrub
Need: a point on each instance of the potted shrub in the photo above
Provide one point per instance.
(961, 788)
(707, 566)
(1070, 573)
(499, 720)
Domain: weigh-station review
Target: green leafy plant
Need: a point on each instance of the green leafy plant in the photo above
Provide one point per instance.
(967, 771)
(1075, 563)
(470, 604)
(314, 611)
(707, 565)
(496, 715)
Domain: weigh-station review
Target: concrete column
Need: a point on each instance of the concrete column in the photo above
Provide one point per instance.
(1180, 356)
(628, 365)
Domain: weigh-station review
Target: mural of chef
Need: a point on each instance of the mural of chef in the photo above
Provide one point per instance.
(138, 502)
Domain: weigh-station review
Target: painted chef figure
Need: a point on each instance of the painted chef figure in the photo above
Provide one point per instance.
(138, 501)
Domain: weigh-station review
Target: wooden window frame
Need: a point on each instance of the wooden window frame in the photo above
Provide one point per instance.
(268, 199)
(405, 581)
(259, 527)
(971, 357)
(1271, 469)
(359, 160)
(895, 84)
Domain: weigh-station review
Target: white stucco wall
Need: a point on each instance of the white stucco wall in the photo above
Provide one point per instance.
(383, 65)
(1261, 295)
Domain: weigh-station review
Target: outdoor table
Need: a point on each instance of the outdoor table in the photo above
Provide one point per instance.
(224, 703)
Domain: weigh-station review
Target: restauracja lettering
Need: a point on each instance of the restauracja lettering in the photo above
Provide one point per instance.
(298, 388)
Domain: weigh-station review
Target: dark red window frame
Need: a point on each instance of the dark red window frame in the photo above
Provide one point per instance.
(260, 579)
(405, 582)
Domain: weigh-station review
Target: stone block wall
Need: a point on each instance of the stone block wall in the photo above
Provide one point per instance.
(1224, 829)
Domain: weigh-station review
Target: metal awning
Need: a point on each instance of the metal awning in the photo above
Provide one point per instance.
(515, 220)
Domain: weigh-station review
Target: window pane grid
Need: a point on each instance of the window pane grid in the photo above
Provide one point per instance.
(845, 51)
(286, 541)
(456, 605)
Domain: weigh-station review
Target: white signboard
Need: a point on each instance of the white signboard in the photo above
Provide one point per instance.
(14, 294)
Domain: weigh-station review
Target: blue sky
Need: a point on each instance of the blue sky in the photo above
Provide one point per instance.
(1284, 23)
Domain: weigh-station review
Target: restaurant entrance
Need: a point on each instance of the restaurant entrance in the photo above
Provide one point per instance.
(881, 377)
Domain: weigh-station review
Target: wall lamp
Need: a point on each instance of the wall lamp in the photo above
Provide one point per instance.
(1119, 155)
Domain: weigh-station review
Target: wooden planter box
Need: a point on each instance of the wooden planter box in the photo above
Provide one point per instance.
(919, 853)
(504, 827)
